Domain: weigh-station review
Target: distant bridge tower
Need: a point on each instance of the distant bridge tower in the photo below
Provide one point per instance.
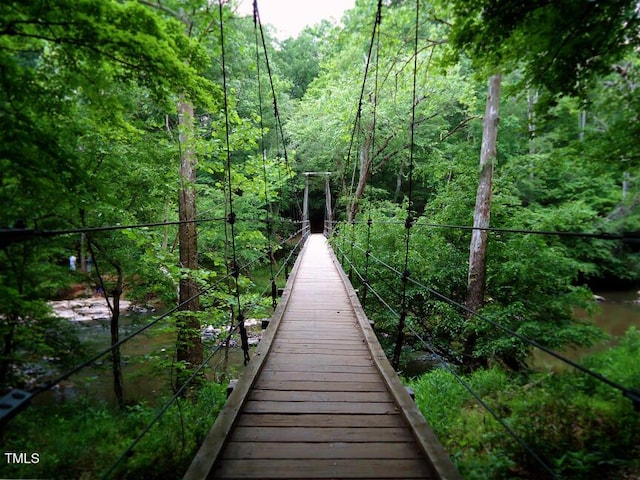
(328, 212)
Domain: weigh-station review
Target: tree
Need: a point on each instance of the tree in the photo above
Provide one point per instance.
(68, 73)
(476, 283)
(560, 46)
(189, 343)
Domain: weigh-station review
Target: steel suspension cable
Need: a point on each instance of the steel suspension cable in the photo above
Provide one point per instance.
(176, 396)
(251, 307)
(377, 295)
(386, 304)
(276, 111)
(632, 394)
(409, 219)
(10, 235)
(128, 451)
(232, 216)
(486, 406)
(274, 288)
(16, 400)
(631, 237)
(362, 89)
(372, 153)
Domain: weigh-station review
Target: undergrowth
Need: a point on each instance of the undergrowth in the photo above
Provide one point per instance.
(581, 428)
(82, 441)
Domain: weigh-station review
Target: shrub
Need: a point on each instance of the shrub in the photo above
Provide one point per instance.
(579, 426)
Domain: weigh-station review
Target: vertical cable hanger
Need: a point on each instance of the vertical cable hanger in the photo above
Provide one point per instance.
(362, 89)
(373, 152)
(231, 219)
(409, 220)
(274, 287)
(351, 197)
(275, 103)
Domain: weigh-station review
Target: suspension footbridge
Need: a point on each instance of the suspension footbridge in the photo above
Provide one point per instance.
(320, 399)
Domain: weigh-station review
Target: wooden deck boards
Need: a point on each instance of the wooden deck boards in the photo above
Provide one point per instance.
(320, 405)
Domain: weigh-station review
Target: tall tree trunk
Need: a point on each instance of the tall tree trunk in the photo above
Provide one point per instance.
(116, 364)
(532, 100)
(189, 345)
(365, 167)
(114, 324)
(399, 175)
(476, 281)
(625, 184)
(582, 123)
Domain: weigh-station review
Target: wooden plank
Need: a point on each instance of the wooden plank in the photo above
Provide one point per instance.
(319, 420)
(329, 375)
(318, 396)
(323, 468)
(320, 434)
(276, 359)
(320, 327)
(295, 367)
(323, 386)
(326, 323)
(355, 350)
(342, 349)
(318, 335)
(300, 340)
(373, 408)
(320, 312)
(314, 331)
(286, 450)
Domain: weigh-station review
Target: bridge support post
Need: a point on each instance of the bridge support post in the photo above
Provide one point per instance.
(328, 216)
(328, 221)
(306, 224)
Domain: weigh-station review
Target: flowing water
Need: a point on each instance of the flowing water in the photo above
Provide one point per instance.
(147, 359)
(619, 311)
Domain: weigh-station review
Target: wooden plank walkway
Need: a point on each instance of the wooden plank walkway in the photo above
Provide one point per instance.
(319, 399)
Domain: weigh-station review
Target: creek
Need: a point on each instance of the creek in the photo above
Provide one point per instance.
(147, 359)
(619, 311)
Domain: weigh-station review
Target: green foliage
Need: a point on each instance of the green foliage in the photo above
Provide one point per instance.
(579, 426)
(560, 46)
(533, 294)
(80, 440)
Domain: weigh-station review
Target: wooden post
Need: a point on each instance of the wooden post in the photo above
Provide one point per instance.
(328, 212)
(306, 226)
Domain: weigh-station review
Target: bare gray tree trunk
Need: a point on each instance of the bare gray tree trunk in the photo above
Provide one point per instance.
(365, 167)
(476, 281)
(582, 123)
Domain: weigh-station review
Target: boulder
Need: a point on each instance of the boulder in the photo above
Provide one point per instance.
(85, 309)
